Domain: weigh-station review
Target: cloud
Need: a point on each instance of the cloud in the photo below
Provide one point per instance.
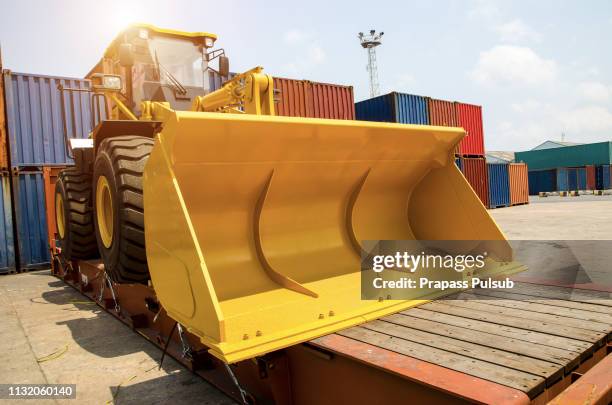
(508, 64)
(295, 36)
(517, 31)
(587, 119)
(484, 9)
(316, 54)
(595, 91)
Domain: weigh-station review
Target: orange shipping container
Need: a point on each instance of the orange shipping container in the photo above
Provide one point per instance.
(475, 171)
(303, 98)
(442, 113)
(519, 183)
(590, 170)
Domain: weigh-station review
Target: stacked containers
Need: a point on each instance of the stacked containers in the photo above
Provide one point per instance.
(475, 171)
(499, 185)
(303, 98)
(36, 140)
(394, 107)
(519, 183)
(7, 240)
(590, 177)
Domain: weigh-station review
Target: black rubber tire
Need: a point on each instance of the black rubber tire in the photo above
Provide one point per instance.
(79, 241)
(122, 160)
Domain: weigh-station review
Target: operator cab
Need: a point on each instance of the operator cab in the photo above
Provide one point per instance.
(162, 65)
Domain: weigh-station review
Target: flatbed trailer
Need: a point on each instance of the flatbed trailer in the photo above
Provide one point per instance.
(480, 346)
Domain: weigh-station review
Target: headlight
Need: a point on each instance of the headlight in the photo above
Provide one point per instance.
(111, 82)
(209, 42)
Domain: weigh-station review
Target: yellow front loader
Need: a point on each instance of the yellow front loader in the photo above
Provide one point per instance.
(248, 225)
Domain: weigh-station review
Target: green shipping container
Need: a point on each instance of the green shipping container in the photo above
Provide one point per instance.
(567, 156)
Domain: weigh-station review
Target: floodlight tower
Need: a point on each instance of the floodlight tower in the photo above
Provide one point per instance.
(370, 42)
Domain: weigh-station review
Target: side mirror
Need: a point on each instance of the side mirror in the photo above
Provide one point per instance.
(126, 55)
(224, 66)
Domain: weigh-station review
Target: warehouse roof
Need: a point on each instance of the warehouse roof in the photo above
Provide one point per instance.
(499, 156)
(555, 144)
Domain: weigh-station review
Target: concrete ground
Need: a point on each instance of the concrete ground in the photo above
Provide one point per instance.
(41, 316)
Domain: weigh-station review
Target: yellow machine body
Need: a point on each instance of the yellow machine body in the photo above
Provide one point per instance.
(253, 223)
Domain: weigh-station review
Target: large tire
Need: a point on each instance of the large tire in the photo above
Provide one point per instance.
(74, 215)
(118, 206)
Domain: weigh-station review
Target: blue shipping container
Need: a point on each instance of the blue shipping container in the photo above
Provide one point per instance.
(542, 181)
(458, 163)
(562, 179)
(394, 107)
(7, 242)
(582, 178)
(499, 185)
(572, 179)
(34, 117)
(30, 220)
(602, 177)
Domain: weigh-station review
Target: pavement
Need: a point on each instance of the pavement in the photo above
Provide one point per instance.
(52, 334)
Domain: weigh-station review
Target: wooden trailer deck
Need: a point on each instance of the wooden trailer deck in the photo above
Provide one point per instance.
(533, 338)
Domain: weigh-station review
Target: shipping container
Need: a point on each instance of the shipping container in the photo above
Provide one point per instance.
(30, 220)
(590, 177)
(582, 178)
(7, 241)
(304, 98)
(4, 160)
(519, 183)
(394, 107)
(602, 177)
(458, 163)
(34, 117)
(50, 175)
(567, 156)
(542, 181)
(572, 179)
(469, 117)
(475, 171)
(562, 180)
(499, 185)
(442, 113)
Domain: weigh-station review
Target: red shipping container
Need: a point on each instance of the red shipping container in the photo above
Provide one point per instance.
(519, 183)
(475, 171)
(303, 98)
(590, 173)
(470, 118)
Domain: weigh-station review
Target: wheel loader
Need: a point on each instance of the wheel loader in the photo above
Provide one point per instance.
(249, 226)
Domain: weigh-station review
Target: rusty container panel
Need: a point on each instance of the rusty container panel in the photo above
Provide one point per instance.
(49, 178)
(590, 177)
(303, 98)
(442, 113)
(469, 117)
(4, 160)
(333, 101)
(475, 171)
(294, 97)
(519, 183)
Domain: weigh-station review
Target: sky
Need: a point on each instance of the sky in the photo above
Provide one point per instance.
(541, 70)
